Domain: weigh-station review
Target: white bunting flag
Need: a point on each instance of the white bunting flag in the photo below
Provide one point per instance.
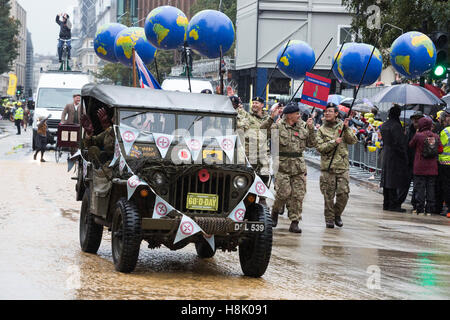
(260, 189)
(132, 184)
(163, 142)
(122, 164)
(162, 208)
(238, 213)
(75, 155)
(195, 145)
(70, 164)
(117, 153)
(85, 165)
(227, 143)
(129, 136)
(187, 228)
(210, 240)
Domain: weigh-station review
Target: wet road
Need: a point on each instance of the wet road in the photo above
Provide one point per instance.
(377, 255)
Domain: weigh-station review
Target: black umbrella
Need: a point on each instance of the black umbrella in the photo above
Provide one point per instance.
(405, 94)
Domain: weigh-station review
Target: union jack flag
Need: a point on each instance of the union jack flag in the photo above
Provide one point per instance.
(146, 79)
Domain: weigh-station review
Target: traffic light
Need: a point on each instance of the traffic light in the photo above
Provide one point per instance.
(19, 91)
(440, 40)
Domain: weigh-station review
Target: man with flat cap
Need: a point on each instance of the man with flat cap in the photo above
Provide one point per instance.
(256, 125)
(290, 181)
(334, 182)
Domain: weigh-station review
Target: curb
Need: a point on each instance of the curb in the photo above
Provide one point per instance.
(371, 185)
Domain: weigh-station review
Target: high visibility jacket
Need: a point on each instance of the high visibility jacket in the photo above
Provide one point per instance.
(19, 114)
(444, 157)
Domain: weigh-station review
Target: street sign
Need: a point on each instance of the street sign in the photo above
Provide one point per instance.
(315, 91)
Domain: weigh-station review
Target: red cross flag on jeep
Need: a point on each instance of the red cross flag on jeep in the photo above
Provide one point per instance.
(161, 208)
(260, 189)
(163, 142)
(132, 185)
(129, 136)
(187, 228)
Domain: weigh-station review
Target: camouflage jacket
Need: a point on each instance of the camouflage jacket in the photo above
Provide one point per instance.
(255, 130)
(326, 143)
(105, 140)
(293, 140)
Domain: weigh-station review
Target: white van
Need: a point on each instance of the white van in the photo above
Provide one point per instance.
(55, 90)
(182, 84)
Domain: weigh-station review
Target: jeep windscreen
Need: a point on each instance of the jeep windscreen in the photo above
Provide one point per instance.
(148, 122)
(55, 98)
(207, 126)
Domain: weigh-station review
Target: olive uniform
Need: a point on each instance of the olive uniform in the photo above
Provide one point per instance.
(252, 124)
(335, 182)
(290, 180)
(105, 142)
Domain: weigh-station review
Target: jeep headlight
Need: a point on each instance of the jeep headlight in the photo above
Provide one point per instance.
(240, 182)
(159, 178)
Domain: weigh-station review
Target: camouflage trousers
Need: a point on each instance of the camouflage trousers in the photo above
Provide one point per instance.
(290, 191)
(335, 189)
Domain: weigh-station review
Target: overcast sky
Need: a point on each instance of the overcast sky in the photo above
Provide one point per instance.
(41, 23)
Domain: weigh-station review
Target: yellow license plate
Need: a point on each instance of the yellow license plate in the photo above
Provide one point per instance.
(201, 201)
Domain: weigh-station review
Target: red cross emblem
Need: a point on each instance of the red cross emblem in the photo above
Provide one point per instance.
(260, 188)
(162, 142)
(128, 136)
(194, 144)
(161, 209)
(133, 182)
(187, 228)
(227, 144)
(239, 214)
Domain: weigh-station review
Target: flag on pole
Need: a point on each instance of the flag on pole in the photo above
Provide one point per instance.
(146, 79)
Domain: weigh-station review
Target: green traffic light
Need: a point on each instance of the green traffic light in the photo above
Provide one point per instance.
(439, 70)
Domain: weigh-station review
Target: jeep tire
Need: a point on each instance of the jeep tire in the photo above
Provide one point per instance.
(256, 248)
(204, 250)
(126, 236)
(90, 232)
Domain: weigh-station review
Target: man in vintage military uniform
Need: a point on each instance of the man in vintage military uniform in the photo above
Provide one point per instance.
(290, 181)
(335, 182)
(256, 143)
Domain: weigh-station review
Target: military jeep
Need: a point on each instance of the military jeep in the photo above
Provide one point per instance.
(206, 189)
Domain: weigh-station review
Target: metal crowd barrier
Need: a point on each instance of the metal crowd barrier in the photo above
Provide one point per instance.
(359, 157)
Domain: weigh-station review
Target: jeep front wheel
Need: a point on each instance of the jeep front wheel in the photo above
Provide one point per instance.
(90, 232)
(256, 248)
(126, 236)
(204, 250)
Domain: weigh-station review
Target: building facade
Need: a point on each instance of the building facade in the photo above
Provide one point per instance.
(263, 27)
(18, 66)
(29, 68)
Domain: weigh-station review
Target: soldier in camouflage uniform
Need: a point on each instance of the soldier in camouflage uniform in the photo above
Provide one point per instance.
(334, 182)
(290, 181)
(252, 124)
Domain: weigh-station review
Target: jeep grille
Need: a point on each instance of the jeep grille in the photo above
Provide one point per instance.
(219, 183)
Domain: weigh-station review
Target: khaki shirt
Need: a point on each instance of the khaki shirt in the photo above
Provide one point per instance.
(293, 140)
(326, 143)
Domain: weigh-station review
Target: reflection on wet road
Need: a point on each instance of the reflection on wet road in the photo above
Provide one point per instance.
(377, 255)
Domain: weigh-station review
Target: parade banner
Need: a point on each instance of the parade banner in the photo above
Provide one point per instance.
(260, 189)
(163, 142)
(315, 91)
(187, 228)
(132, 185)
(210, 240)
(227, 143)
(238, 213)
(129, 136)
(195, 145)
(161, 208)
(12, 85)
(117, 153)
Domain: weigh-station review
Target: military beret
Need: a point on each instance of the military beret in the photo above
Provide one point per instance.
(332, 105)
(259, 99)
(207, 91)
(291, 107)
